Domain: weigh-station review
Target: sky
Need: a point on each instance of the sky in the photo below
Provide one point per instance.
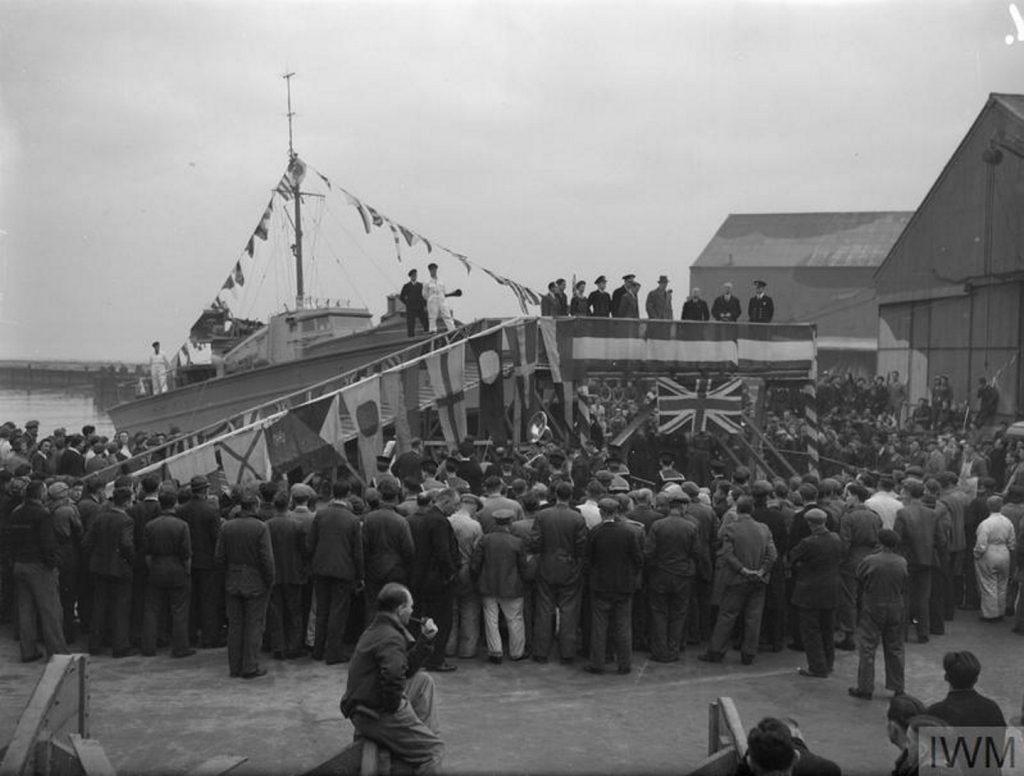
(140, 141)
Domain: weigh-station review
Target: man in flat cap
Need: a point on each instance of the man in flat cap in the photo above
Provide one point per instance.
(726, 307)
(695, 308)
(760, 308)
(816, 562)
(614, 558)
(415, 304)
(203, 520)
(620, 292)
(659, 301)
(600, 301)
(499, 564)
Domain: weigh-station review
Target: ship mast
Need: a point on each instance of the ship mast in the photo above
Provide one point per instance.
(297, 247)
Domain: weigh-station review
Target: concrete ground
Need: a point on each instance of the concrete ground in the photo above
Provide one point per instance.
(163, 715)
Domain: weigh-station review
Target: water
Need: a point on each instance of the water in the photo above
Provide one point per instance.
(71, 408)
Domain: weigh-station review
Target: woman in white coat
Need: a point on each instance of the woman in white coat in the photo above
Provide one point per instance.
(992, 548)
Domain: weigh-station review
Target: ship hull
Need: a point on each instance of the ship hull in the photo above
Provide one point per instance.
(202, 404)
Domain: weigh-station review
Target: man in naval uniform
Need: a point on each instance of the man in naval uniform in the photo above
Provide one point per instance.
(415, 304)
(760, 308)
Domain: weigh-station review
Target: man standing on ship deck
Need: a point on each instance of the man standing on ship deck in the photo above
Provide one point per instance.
(435, 292)
(158, 368)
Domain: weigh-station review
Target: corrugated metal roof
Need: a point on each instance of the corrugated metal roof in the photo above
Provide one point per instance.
(804, 239)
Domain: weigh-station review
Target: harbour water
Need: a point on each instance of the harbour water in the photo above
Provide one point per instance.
(69, 408)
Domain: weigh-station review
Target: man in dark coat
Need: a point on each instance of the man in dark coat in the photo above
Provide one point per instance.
(284, 607)
(335, 543)
(410, 463)
(726, 307)
(883, 578)
(142, 511)
(387, 543)
(387, 698)
(434, 566)
(858, 530)
(748, 555)
(32, 544)
(110, 545)
(614, 560)
(600, 301)
(695, 308)
(415, 304)
(618, 293)
(203, 520)
(498, 563)
(773, 623)
(922, 541)
(673, 553)
(167, 552)
(760, 308)
(244, 550)
(559, 538)
(816, 562)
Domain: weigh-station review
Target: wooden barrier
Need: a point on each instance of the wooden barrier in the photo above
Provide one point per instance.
(727, 740)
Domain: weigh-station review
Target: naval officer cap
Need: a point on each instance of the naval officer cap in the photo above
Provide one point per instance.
(601, 279)
(760, 283)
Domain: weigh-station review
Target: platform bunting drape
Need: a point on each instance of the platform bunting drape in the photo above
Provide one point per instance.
(447, 375)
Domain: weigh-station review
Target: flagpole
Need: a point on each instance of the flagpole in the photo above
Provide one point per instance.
(297, 247)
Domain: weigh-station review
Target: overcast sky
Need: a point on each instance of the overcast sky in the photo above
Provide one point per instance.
(139, 141)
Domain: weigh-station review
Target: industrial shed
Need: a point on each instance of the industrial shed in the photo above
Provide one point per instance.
(819, 268)
(952, 287)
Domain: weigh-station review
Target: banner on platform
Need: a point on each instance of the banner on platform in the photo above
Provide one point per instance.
(682, 408)
(487, 354)
(244, 457)
(363, 402)
(446, 371)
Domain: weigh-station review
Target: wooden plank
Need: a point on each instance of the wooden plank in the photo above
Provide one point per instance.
(734, 727)
(722, 763)
(713, 737)
(217, 765)
(90, 754)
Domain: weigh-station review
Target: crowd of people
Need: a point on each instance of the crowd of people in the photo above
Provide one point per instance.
(538, 554)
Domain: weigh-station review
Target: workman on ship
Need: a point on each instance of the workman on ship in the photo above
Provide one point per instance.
(158, 368)
(435, 292)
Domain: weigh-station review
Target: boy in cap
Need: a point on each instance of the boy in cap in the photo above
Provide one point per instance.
(760, 308)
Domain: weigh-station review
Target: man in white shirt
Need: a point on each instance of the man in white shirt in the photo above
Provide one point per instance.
(884, 502)
(435, 292)
(158, 368)
(589, 509)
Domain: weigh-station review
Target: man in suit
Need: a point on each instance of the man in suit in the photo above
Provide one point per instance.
(562, 308)
(142, 511)
(415, 304)
(883, 579)
(621, 291)
(816, 562)
(659, 301)
(748, 554)
(549, 303)
(922, 541)
(167, 549)
(773, 624)
(203, 520)
(695, 308)
(335, 543)
(674, 553)
(600, 301)
(410, 463)
(284, 607)
(387, 543)
(726, 307)
(760, 308)
(434, 566)
(245, 552)
(614, 560)
(559, 538)
(110, 544)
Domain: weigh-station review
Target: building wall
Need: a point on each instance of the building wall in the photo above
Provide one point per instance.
(973, 335)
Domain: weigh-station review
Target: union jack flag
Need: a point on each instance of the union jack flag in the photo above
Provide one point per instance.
(679, 407)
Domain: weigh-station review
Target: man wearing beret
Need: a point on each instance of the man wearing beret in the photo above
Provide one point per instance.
(614, 560)
(415, 304)
(245, 552)
(600, 300)
(760, 308)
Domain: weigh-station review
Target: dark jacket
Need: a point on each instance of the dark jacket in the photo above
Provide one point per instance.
(921, 539)
(968, 708)
(387, 546)
(385, 656)
(600, 303)
(335, 543)
(726, 309)
(746, 544)
(167, 549)
(760, 310)
(858, 529)
(614, 557)
(816, 562)
(110, 543)
(499, 563)
(286, 541)
(204, 525)
(559, 537)
(412, 296)
(244, 550)
(435, 551)
(141, 513)
(883, 579)
(673, 546)
(31, 535)
(695, 310)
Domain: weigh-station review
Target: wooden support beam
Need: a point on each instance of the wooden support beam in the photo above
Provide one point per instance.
(91, 757)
